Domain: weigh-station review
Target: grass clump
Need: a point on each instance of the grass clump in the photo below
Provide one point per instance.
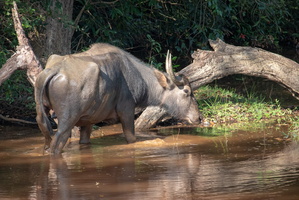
(220, 105)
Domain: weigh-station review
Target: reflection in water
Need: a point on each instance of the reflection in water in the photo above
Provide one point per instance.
(243, 165)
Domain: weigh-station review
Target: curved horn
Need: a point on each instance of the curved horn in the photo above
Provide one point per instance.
(178, 80)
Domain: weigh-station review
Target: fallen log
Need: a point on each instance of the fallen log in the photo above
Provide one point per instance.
(150, 117)
(14, 120)
(227, 60)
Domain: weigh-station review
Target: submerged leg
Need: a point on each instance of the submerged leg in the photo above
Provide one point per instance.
(85, 132)
(126, 117)
(60, 140)
(47, 142)
(45, 127)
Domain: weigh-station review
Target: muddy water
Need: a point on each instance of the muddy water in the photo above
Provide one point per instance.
(175, 164)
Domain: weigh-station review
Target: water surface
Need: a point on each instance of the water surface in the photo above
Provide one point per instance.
(178, 163)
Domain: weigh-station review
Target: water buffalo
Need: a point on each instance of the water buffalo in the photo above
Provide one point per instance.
(105, 83)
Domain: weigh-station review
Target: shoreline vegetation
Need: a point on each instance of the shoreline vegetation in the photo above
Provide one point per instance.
(226, 106)
(220, 105)
(226, 109)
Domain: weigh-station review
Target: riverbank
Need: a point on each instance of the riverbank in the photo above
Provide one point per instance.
(244, 100)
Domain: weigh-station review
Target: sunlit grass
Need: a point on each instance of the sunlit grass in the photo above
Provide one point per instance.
(220, 105)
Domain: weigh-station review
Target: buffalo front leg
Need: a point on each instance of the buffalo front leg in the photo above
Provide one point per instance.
(127, 121)
(85, 132)
(128, 129)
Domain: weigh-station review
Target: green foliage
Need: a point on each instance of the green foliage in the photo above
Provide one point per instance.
(257, 23)
(148, 28)
(32, 21)
(17, 92)
(226, 106)
(152, 27)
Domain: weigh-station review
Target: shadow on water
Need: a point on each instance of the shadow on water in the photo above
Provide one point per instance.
(173, 163)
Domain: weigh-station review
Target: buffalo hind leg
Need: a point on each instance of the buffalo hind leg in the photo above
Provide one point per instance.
(59, 141)
(46, 129)
(85, 132)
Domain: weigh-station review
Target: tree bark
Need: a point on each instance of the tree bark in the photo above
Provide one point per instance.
(150, 117)
(24, 58)
(226, 60)
(59, 29)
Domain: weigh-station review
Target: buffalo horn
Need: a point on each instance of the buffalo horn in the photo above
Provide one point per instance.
(178, 80)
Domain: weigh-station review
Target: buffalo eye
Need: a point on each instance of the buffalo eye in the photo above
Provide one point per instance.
(187, 90)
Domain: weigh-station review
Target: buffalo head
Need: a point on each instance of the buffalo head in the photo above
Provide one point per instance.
(178, 98)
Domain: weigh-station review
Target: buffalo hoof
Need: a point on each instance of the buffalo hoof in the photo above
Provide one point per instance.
(84, 142)
(46, 151)
(46, 147)
(55, 152)
(131, 139)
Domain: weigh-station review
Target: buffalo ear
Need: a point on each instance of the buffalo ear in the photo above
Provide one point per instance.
(162, 79)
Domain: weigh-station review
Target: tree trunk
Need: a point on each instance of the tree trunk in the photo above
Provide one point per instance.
(59, 29)
(226, 60)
